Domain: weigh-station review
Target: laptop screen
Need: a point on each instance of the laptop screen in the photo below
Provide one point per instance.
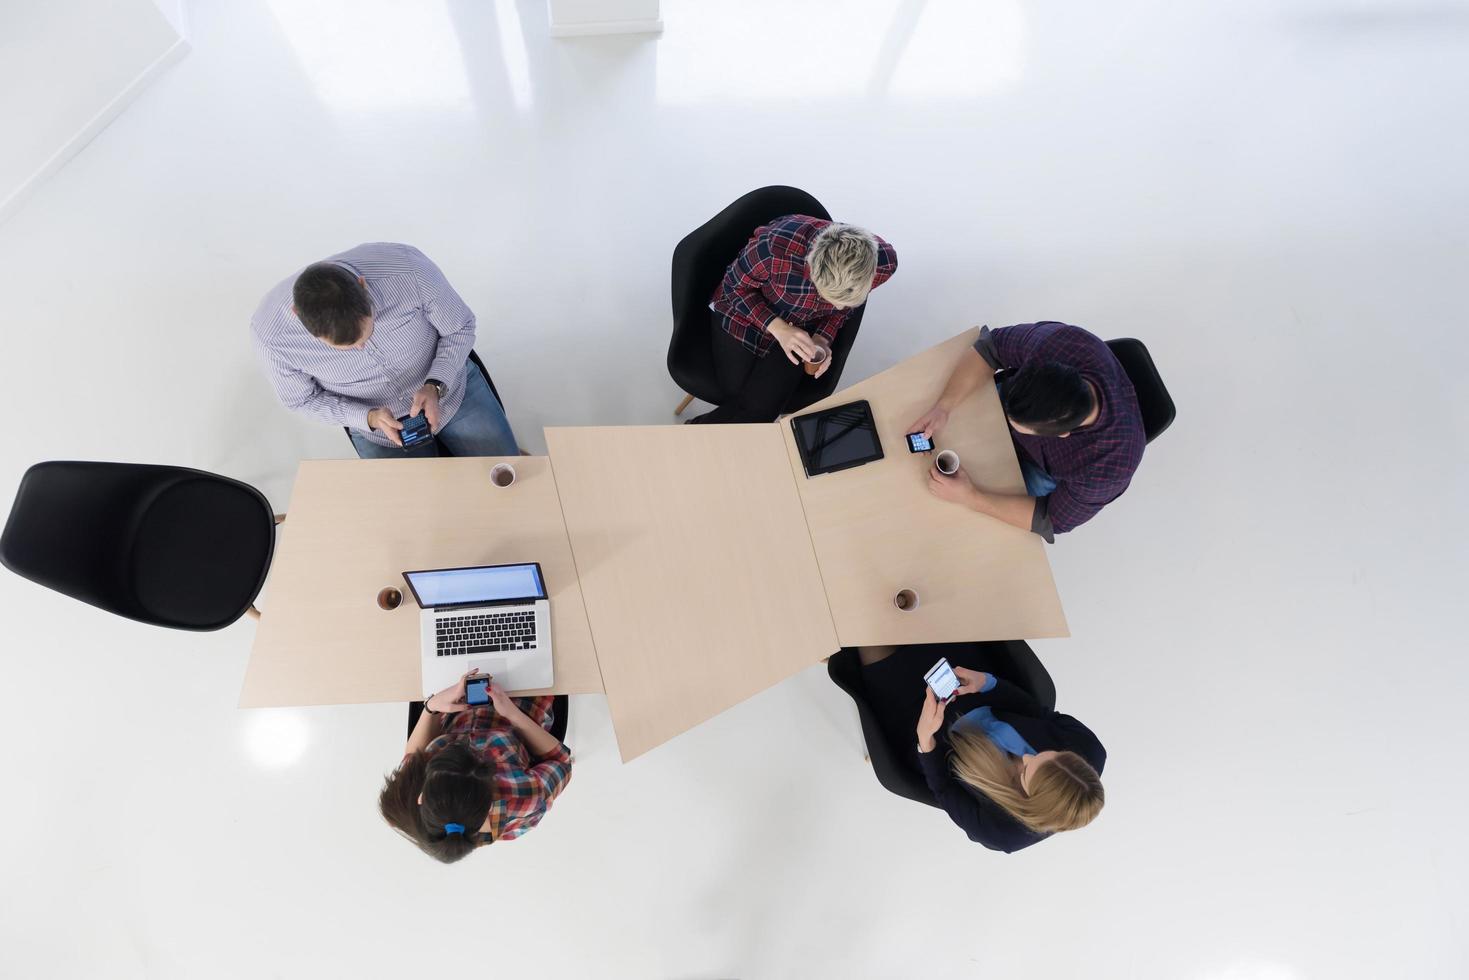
(486, 584)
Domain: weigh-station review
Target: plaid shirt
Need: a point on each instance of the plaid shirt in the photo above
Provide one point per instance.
(523, 790)
(1091, 466)
(769, 280)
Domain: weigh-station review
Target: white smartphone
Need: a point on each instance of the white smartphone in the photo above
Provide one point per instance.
(942, 679)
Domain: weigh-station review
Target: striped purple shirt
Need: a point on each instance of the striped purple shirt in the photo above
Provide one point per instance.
(421, 330)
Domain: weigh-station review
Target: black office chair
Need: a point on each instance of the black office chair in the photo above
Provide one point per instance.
(1152, 396)
(699, 262)
(560, 711)
(163, 545)
(1011, 659)
(475, 360)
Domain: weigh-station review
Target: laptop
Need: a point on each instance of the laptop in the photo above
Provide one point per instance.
(494, 617)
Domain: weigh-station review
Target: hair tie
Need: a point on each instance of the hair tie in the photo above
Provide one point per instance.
(453, 828)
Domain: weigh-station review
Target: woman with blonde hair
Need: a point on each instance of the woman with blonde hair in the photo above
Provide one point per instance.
(1007, 769)
(786, 294)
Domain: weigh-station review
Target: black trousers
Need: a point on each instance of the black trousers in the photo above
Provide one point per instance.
(895, 684)
(758, 387)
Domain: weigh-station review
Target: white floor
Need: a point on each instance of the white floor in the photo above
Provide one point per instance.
(1266, 628)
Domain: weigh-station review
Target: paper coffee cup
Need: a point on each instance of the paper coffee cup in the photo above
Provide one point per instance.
(947, 462)
(906, 600)
(502, 475)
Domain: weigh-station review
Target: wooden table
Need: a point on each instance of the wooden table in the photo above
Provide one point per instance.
(876, 528)
(697, 568)
(353, 527)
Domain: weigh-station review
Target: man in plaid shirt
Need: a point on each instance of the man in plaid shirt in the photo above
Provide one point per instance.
(1075, 420)
(791, 287)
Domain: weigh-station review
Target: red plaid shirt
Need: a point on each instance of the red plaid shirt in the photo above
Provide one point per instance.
(769, 280)
(524, 788)
(1091, 466)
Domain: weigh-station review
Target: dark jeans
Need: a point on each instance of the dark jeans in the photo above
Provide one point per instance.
(758, 387)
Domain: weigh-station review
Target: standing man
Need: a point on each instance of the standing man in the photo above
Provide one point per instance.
(372, 334)
(1074, 418)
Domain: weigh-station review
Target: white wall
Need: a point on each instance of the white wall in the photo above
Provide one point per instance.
(67, 68)
(570, 18)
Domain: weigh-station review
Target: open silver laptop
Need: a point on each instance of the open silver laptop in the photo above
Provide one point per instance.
(494, 617)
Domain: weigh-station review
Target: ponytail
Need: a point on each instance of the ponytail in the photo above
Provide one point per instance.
(456, 789)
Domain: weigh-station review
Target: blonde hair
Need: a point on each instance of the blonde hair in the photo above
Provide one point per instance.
(841, 261)
(1065, 791)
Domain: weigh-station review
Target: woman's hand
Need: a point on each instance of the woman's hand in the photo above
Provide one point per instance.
(797, 343)
(970, 681)
(503, 703)
(932, 422)
(450, 699)
(930, 720)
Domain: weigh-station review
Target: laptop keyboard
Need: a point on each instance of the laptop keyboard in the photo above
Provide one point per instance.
(486, 633)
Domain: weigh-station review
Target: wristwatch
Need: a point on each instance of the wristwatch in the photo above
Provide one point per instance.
(439, 386)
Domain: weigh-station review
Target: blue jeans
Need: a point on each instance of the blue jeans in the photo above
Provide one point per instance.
(1038, 482)
(479, 428)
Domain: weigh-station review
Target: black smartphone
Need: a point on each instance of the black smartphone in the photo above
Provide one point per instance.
(477, 691)
(919, 443)
(415, 430)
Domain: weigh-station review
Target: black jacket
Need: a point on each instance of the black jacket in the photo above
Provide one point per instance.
(985, 821)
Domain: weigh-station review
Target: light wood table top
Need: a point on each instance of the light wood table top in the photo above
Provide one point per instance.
(697, 568)
(353, 527)
(877, 529)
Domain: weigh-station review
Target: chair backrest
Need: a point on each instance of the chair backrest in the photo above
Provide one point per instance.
(165, 545)
(699, 261)
(1152, 395)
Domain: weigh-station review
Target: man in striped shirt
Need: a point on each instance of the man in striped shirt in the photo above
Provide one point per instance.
(373, 334)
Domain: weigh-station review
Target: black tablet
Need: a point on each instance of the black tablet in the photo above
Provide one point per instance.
(837, 438)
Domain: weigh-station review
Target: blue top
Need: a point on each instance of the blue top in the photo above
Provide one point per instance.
(1002, 734)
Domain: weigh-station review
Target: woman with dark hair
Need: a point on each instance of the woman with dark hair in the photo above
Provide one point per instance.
(473, 775)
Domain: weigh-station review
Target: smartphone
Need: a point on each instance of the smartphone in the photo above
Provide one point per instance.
(415, 431)
(942, 679)
(919, 443)
(477, 691)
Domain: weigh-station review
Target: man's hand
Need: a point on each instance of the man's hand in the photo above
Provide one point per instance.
(383, 421)
(426, 401)
(797, 343)
(932, 423)
(956, 489)
(970, 680)
(930, 720)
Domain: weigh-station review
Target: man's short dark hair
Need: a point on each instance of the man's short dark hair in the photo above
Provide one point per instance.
(1048, 399)
(331, 303)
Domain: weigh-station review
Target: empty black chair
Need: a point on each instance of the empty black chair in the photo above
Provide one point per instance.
(1152, 396)
(474, 359)
(163, 545)
(1011, 659)
(699, 262)
(560, 709)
